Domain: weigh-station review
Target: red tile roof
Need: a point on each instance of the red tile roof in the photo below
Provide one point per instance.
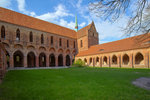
(135, 42)
(34, 23)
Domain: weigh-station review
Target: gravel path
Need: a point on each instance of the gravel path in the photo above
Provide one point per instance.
(142, 82)
(23, 68)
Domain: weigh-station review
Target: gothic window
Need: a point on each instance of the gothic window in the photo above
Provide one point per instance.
(18, 35)
(51, 39)
(81, 44)
(74, 44)
(60, 42)
(67, 43)
(2, 32)
(42, 39)
(31, 37)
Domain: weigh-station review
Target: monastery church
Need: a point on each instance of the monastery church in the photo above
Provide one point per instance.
(31, 42)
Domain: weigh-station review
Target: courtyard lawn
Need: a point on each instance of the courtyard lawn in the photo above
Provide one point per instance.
(74, 84)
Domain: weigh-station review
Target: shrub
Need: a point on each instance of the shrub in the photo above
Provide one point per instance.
(79, 63)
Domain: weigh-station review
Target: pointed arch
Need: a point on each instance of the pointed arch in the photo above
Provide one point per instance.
(18, 59)
(139, 58)
(125, 59)
(104, 60)
(114, 59)
(31, 59)
(52, 60)
(67, 60)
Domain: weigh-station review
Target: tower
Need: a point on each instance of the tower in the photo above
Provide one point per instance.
(76, 24)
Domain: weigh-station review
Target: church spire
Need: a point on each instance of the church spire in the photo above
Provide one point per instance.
(76, 24)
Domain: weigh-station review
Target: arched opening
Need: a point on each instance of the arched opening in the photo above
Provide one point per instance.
(2, 32)
(52, 60)
(97, 60)
(105, 60)
(31, 37)
(67, 60)
(18, 59)
(85, 60)
(18, 35)
(8, 59)
(31, 59)
(139, 59)
(125, 59)
(90, 60)
(60, 60)
(42, 60)
(114, 59)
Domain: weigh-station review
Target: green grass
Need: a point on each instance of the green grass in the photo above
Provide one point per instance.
(74, 84)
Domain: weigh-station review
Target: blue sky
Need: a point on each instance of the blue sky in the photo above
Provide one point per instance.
(62, 12)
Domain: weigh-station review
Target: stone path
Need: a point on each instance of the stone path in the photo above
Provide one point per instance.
(142, 82)
(23, 68)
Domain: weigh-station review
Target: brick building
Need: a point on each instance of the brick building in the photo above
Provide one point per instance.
(31, 42)
(3, 60)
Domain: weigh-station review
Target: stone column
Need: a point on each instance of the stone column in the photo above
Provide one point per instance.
(109, 61)
(64, 60)
(100, 61)
(56, 60)
(47, 60)
(93, 62)
(25, 61)
(11, 61)
(146, 59)
(131, 61)
(37, 61)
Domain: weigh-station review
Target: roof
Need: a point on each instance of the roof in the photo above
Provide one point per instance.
(34, 23)
(83, 31)
(136, 42)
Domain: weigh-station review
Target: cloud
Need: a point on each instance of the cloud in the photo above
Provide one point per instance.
(21, 8)
(110, 31)
(82, 24)
(5, 3)
(60, 11)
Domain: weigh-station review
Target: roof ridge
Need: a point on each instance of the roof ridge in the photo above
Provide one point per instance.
(36, 18)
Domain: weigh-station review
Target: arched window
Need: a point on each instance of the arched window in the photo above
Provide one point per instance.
(60, 42)
(2, 32)
(67, 43)
(51, 39)
(18, 35)
(42, 39)
(105, 60)
(31, 37)
(74, 44)
(81, 44)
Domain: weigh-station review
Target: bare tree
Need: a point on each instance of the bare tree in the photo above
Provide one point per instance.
(138, 12)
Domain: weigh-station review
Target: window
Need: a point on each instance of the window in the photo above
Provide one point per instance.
(60, 42)
(42, 39)
(74, 44)
(18, 35)
(51, 39)
(81, 44)
(2, 32)
(31, 37)
(67, 43)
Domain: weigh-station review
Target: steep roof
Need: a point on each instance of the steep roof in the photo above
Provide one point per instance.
(131, 43)
(83, 31)
(34, 23)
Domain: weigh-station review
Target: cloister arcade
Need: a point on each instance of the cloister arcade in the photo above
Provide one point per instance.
(132, 60)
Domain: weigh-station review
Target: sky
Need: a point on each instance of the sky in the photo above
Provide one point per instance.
(63, 12)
